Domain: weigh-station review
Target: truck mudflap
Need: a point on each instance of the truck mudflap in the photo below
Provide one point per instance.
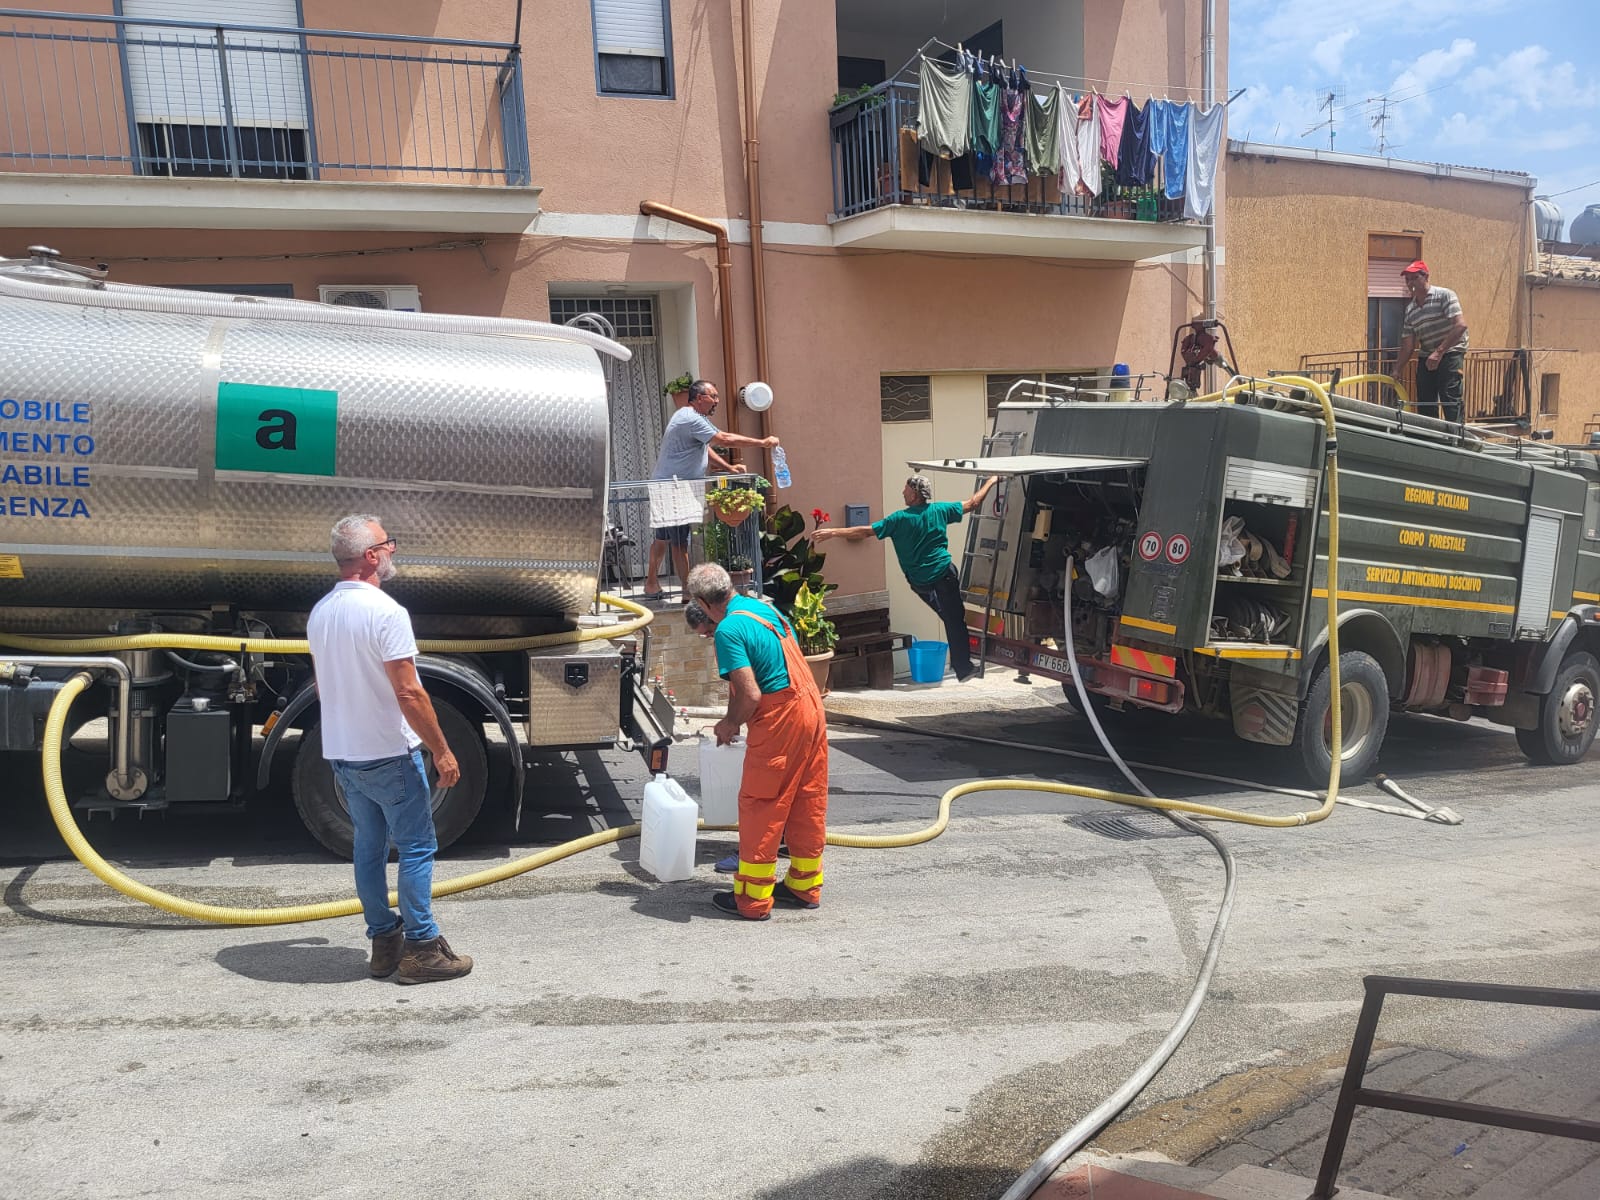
(1115, 681)
(647, 720)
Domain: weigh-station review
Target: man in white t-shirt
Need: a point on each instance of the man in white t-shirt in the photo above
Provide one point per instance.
(375, 715)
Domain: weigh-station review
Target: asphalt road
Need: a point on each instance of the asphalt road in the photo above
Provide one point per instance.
(950, 1009)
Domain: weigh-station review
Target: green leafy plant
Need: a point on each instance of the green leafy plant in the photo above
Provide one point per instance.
(815, 633)
(741, 562)
(738, 501)
(790, 559)
(681, 384)
(846, 97)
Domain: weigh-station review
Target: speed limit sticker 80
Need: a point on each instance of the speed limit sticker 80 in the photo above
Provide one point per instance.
(1177, 548)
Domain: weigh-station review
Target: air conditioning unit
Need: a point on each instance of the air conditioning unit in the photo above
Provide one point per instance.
(389, 296)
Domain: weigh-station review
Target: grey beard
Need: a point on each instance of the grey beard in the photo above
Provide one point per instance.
(386, 570)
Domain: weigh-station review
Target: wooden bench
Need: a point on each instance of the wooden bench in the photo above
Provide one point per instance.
(864, 654)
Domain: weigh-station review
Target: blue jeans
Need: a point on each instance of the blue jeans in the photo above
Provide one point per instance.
(389, 799)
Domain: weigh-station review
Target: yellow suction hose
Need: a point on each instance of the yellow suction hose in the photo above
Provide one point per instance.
(61, 810)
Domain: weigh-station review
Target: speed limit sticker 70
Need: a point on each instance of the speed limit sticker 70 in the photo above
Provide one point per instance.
(1177, 548)
(1150, 546)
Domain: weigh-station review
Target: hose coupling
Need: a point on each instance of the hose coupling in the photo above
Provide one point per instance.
(18, 675)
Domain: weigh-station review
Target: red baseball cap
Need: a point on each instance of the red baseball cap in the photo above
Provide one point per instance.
(1417, 268)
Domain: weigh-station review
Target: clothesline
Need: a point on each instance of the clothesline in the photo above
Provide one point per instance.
(1109, 84)
(992, 123)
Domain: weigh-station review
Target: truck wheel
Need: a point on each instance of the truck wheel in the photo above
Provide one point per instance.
(1567, 719)
(322, 807)
(1364, 719)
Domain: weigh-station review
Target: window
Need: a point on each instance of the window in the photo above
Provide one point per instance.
(188, 119)
(633, 47)
(905, 398)
(1549, 394)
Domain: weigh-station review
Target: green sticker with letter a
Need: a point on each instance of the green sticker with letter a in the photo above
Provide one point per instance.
(291, 431)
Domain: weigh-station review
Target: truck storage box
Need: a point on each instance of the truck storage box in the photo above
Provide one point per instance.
(574, 694)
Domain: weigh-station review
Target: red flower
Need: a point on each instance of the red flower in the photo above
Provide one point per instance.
(819, 516)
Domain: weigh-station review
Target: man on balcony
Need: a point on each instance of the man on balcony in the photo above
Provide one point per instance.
(1433, 322)
(686, 454)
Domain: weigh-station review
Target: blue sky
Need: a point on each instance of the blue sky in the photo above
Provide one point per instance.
(1512, 85)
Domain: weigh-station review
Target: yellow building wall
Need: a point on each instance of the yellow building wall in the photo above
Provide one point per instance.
(1297, 253)
(1566, 336)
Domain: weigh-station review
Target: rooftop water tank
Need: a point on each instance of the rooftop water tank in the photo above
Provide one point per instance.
(1546, 219)
(1586, 226)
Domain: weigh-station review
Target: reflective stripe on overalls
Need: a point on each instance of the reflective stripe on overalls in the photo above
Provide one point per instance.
(783, 795)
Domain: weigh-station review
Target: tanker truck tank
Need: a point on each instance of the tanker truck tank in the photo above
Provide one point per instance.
(171, 466)
(171, 450)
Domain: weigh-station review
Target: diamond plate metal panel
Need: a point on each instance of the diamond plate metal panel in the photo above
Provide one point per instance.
(485, 455)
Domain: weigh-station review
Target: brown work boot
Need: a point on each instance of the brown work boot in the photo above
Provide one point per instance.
(432, 961)
(386, 948)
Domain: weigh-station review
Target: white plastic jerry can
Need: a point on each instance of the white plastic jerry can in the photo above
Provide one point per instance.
(666, 842)
(721, 772)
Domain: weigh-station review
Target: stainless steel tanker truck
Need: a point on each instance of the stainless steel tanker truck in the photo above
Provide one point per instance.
(1468, 581)
(170, 466)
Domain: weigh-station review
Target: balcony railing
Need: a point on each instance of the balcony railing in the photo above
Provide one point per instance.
(629, 533)
(89, 94)
(876, 163)
(1496, 385)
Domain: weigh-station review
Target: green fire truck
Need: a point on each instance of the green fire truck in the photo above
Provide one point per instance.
(1468, 582)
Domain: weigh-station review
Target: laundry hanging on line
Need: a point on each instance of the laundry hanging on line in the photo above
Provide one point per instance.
(988, 122)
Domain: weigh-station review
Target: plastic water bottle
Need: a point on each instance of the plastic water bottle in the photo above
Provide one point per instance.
(780, 467)
(666, 842)
(721, 773)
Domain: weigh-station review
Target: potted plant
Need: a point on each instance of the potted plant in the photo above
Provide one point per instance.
(733, 504)
(791, 572)
(816, 634)
(678, 389)
(741, 570)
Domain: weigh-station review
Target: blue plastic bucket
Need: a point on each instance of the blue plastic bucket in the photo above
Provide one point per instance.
(927, 661)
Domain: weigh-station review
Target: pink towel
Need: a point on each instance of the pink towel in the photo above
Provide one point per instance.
(1112, 114)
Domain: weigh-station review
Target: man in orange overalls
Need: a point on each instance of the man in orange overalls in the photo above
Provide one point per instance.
(784, 793)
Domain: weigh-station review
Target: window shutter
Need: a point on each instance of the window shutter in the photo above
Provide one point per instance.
(1383, 278)
(630, 27)
(178, 81)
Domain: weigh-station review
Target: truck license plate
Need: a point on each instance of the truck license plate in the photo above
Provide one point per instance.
(1051, 662)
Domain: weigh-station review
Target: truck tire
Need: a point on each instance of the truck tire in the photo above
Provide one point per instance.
(322, 808)
(1364, 696)
(1121, 717)
(1567, 718)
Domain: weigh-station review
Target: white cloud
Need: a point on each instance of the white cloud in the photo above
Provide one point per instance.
(1280, 117)
(1296, 26)
(1555, 140)
(1525, 77)
(1329, 52)
(1460, 130)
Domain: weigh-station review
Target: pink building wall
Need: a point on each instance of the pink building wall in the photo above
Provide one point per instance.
(837, 319)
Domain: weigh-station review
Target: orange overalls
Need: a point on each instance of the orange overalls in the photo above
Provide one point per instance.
(783, 795)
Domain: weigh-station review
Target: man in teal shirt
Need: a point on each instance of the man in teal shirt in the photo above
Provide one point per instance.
(922, 546)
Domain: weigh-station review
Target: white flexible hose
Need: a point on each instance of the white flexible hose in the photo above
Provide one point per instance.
(1070, 1142)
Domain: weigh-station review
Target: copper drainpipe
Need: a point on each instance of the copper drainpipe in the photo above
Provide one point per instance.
(652, 208)
(752, 143)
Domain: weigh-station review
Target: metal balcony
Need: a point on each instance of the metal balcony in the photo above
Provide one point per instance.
(89, 103)
(883, 196)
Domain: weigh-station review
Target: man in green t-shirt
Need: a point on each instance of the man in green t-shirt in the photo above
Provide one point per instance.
(922, 546)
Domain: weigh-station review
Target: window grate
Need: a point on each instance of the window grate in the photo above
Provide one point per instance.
(905, 398)
(630, 316)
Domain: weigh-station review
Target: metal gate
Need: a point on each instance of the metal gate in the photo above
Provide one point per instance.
(636, 408)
